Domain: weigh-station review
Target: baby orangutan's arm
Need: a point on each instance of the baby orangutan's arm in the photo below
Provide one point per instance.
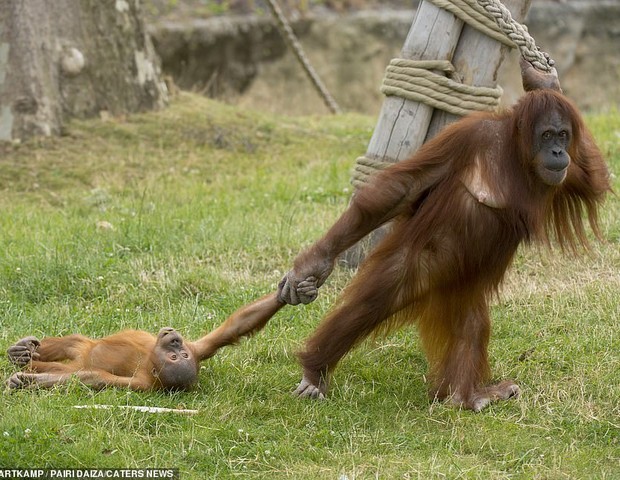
(244, 322)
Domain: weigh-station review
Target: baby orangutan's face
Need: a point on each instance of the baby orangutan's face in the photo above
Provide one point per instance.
(175, 367)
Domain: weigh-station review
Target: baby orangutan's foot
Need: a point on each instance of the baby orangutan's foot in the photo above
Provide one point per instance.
(24, 351)
(21, 380)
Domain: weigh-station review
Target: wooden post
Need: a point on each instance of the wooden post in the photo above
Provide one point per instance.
(404, 125)
(477, 60)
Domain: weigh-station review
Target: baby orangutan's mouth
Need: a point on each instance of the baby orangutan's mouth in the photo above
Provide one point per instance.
(169, 337)
(165, 331)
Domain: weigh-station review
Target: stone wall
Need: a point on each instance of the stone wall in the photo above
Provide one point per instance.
(243, 59)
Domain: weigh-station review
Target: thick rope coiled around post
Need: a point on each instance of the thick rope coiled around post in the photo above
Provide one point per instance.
(415, 80)
(364, 168)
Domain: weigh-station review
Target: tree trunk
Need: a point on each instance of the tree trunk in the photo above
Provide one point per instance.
(73, 58)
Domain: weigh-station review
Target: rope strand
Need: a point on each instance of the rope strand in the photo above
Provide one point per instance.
(492, 18)
(291, 40)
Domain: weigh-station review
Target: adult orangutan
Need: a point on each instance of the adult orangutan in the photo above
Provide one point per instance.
(132, 358)
(459, 209)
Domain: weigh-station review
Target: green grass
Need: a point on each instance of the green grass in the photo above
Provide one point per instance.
(209, 205)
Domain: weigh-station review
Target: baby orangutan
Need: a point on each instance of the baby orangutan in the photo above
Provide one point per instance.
(132, 358)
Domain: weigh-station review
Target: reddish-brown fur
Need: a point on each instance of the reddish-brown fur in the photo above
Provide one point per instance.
(447, 251)
(129, 358)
